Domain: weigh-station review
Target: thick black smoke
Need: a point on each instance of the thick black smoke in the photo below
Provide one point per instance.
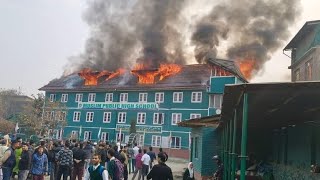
(254, 29)
(133, 30)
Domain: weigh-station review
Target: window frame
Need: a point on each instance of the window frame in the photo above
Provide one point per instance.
(171, 140)
(197, 98)
(92, 97)
(177, 96)
(91, 117)
(64, 98)
(156, 120)
(107, 117)
(122, 137)
(87, 132)
(160, 98)
(79, 97)
(105, 135)
(214, 101)
(74, 115)
(153, 144)
(176, 120)
(125, 96)
(52, 97)
(143, 97)
(108, 97)
(124, 114)
(197, 115)
(140, 119)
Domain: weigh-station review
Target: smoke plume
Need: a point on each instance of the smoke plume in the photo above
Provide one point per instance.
(253, 29)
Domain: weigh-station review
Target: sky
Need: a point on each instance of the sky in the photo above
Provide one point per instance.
(38, 36)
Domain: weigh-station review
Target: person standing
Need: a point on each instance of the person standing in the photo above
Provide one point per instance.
(124, 161)
(89, 150)
(138, 165)
(24, 163)
(8, 161)
(161, 171)
(100, 150)
(3, 148)
(17, 152)
(96, 171)
(79, 157)
(152, 156)
(65, 161)
(189, 173)
(39, 164)
(145, 163)
(218, 174)
(135, 152)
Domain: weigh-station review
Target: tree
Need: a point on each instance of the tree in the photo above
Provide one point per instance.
(133, 128)
(6, 126)
(43, 117)
(7, 103)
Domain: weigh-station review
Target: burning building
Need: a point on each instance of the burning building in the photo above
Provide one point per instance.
(102, 104)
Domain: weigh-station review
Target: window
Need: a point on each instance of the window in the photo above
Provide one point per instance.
(121, 137)
(159, 97)
(122, 117)
(109, 97)
(196, 151)
(104, 136)
(297, 75)
(107, 117)
(176, 118)
(175, 142)
(61, 115)
(308, 71)
(124, 97)
(196, 97)
(217, 100)
(64, 98)
(76, 116)
(79, 97)
(92, 97)
(143, 97)
(141, 118)
(158, 118)
(194, 116)
(87, 135)
(177, 97)
(89, 117)
(156, 141)
(52, 97)
(140, 140)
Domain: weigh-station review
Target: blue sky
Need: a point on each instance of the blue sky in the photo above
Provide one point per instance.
(38, 36)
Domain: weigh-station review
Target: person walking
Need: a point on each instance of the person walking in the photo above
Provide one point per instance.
(79, 157)
(24, 163)
(39, 164)
(138, 165)
(152, 156)
(135, 150)
(145, 163)
(8, 161)
(161, 171)
(65, 161)
(189, 173)
(96, 171)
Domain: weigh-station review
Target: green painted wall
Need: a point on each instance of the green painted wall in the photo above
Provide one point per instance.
(218, 83)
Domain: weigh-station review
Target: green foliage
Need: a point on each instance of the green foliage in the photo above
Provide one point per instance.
(133, 128)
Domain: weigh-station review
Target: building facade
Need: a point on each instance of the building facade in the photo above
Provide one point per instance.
(106, 110)
(305, 53)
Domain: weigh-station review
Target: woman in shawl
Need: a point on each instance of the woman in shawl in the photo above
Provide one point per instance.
(189, 174)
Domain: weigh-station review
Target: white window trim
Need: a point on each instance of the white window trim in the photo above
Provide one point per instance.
(110, 95)
(173, 119)
(153, 119)
(122, 137)
(89, 134)
(214, 101)
(92, 99)
(52, 97)
(145, 117)
(195, 114)
(105, 115)
(87, 116)
(155, 97)
(64, 98)
(125, 119)
(77, 97)
(172, 141)
(152, 139)
(177, 93)
(196, 98)
(125, 95)
(143, 96)
(74, 116)
(106, 134)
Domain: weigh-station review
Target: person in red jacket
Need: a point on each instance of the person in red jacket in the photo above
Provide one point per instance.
(138, 166)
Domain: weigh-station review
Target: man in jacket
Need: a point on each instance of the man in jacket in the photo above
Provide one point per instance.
(39, 164)
(65, 161)
(79, 157)
(24, 163)
(8, 161)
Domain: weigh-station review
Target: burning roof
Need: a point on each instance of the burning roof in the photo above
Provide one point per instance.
(171, 76)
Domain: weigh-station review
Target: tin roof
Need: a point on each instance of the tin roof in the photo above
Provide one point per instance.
(195, 76)
(208, 121)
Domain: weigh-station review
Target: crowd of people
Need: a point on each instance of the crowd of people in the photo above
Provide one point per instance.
(79, 160)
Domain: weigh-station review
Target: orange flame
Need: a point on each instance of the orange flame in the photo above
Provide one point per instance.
(246, 67)
(147, 76)
(119, 72)
(91, 77)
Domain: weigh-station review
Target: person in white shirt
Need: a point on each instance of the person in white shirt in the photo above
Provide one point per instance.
(135, 150)
(96, 171)
(145, 163)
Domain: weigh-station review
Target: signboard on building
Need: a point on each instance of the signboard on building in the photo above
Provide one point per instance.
(146, 129)
(116, 105)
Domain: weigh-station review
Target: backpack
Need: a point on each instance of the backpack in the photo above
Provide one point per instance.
(119, 169)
